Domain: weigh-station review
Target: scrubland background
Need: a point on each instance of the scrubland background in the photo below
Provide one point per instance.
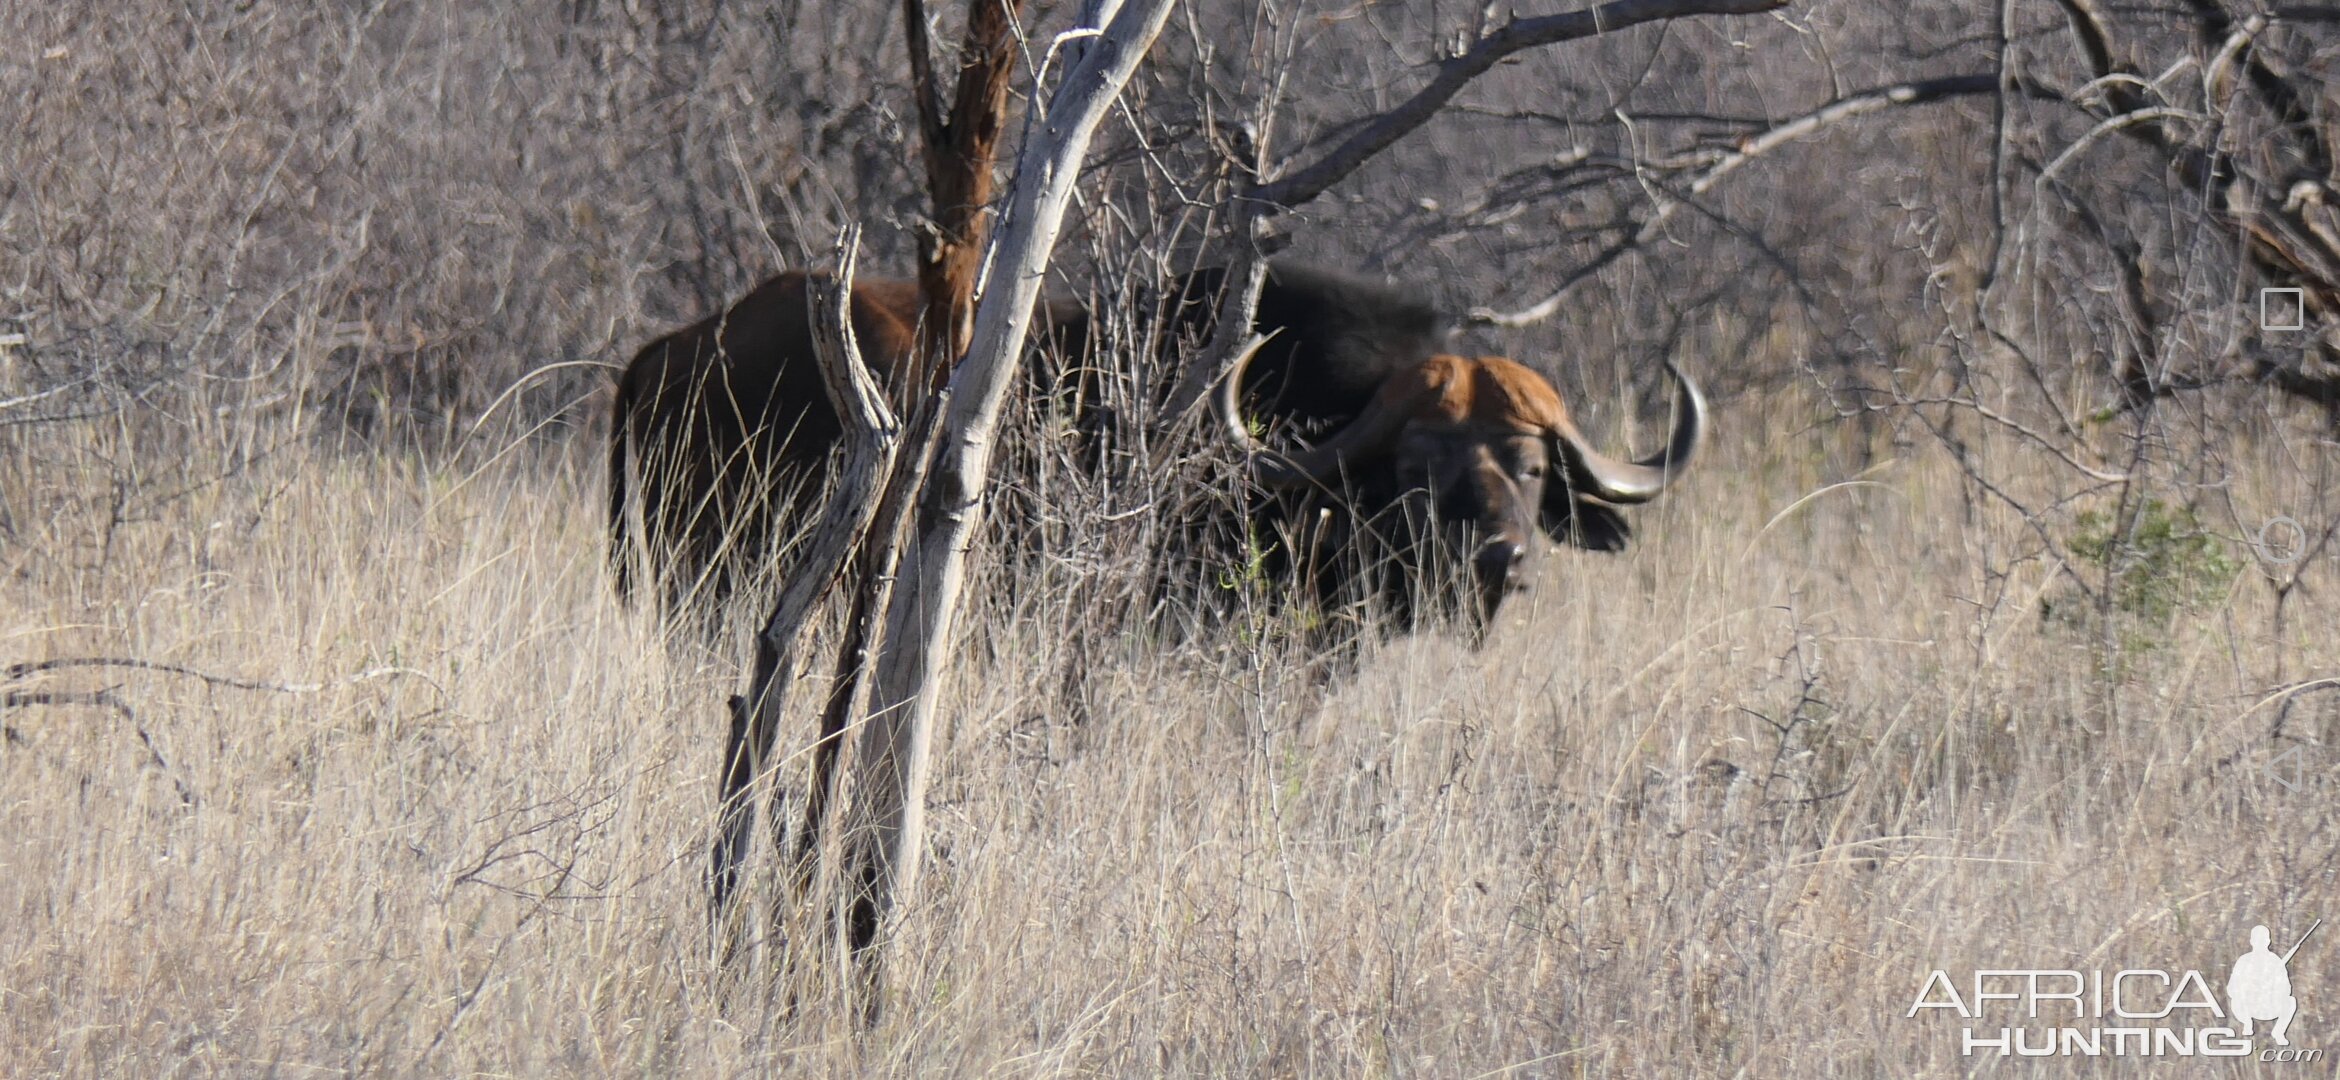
(316, 307)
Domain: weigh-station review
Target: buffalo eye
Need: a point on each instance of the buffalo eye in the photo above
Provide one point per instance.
(1533, 470)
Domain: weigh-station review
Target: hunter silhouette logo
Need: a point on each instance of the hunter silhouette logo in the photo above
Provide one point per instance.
(2259, 988)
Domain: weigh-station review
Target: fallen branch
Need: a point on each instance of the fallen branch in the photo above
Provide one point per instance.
(20, 671)
(97, 699)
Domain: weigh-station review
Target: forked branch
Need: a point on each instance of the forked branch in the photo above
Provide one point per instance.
(1456, 72)
(870, 435)
(884, 846)
(1707, 168)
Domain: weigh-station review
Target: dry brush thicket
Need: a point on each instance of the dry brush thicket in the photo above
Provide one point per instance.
(1952, 652)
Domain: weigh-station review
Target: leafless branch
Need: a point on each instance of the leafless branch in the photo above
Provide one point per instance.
(19, 671)
(1716, 164)
(1520, 34)
(1246, 275)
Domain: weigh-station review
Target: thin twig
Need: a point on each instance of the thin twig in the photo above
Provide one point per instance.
(20, 671)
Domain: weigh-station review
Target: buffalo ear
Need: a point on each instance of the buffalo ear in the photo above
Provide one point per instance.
(1585, 523)
(1580, 520)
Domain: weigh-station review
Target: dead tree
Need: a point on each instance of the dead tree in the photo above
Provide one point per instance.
(883, 845)
(915, 574)
(961, 147)
(865, 459)
(961, 151)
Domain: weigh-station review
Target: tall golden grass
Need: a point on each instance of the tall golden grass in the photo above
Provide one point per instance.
(1713, 807)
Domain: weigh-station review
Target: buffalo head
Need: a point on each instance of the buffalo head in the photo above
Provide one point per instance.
(1482, 450)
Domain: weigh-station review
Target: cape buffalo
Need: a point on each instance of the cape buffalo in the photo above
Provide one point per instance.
(729, 426)
(1418, 452)
(1423, 466)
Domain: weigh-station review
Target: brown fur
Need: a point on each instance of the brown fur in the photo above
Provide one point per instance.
(1489, 394)
(730, 411)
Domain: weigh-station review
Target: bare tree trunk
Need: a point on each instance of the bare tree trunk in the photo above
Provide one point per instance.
(962, 148)
(869, 441)
(883, 848)
(872, 579)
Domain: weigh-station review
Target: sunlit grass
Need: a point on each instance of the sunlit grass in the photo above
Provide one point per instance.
(1715, 805)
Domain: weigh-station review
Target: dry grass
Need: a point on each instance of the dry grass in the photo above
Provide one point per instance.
(476, 847)
(1710, 808)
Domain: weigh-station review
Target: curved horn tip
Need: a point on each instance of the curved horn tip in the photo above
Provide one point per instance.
(1684, 383)
(1689, 423)
(1230, 394)
(1627, 482)
(1317, 465)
